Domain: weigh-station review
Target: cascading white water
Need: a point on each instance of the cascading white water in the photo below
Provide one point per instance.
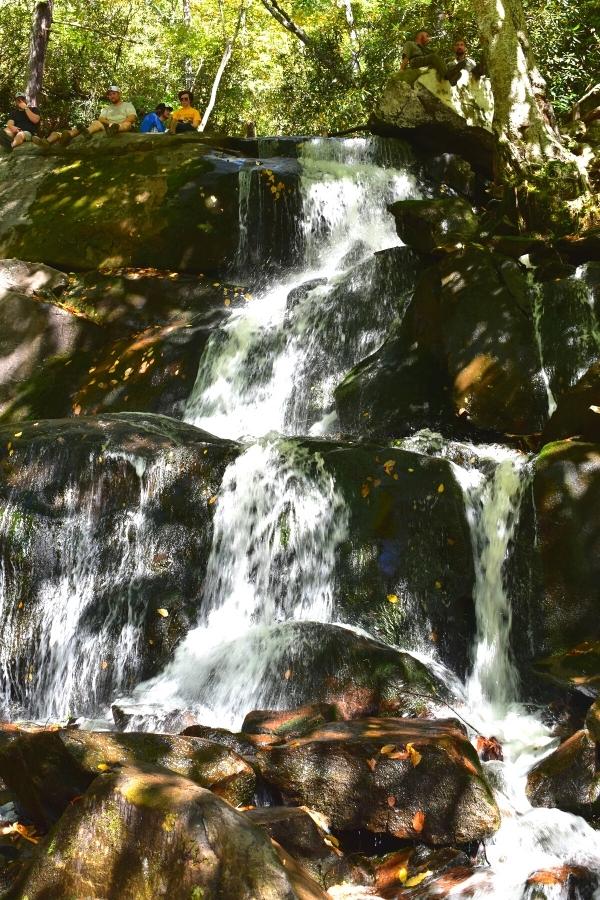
(255, 374)
(78, 632)
(494, 480)
(278, 523)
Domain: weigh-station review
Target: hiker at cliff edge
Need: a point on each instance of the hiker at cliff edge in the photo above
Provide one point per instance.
(23, 123)
(416, 55)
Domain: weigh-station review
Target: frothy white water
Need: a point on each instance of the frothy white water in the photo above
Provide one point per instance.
(84, 622)
(278, 523)
(256, 373)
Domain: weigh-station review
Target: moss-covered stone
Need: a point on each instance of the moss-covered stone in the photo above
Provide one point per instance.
(141, 200)
(140, 833)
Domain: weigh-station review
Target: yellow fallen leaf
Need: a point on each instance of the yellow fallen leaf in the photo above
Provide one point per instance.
(595, 409)
(227, 301)
(387, 749)
(17, 434)
(441, 488)
(411, 470)
(103, 767)
(402, 874)
(213, 499)
(163, 612)
(389, 466)
(393, 598)
(365, 490)
(417, 879)
(415, 756)
(438, 584)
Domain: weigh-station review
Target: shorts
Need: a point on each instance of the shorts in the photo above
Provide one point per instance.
(27, 135)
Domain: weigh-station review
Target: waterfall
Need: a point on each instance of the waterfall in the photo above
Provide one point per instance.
(83, 586)
(295, 339)
(278, 523)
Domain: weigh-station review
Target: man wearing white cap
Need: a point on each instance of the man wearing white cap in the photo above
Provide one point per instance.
(115, 117)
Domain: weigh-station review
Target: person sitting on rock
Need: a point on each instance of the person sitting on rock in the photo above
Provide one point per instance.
(116, 117)
(154, 122)
(460, 63)
(22, 125)
(416, 55)
(186, 118)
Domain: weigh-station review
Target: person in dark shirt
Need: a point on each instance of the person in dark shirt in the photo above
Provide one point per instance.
(460, 63)
(154, 122)
(23, 123)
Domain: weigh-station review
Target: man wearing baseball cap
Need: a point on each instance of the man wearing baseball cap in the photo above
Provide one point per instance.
(117, 116)
(23, 123)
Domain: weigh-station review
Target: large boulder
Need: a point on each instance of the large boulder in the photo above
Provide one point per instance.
(465, 355)
(568, 779)
(426, 224)
(561, 613)
(410, 778)
(140, 200)
(297, 832)
(438, 116)
(106, 528)
(105, 343)
(405, 569)
(139, 834)
(577, 413)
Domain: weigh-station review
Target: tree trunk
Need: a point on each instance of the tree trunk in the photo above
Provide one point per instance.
(188, 71)
(353, 35)
(40, 35)
(523, 117)
(544, 185)
(228, 50)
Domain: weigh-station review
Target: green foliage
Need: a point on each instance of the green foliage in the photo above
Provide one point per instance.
(272, 78)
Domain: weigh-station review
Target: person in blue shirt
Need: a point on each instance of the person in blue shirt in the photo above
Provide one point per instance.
(154, 122)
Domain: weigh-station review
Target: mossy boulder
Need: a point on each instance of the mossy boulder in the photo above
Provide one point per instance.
(577, 414)
(138, 200)
(426, 224)
(106, 531)
(140, 834)
(410, 778)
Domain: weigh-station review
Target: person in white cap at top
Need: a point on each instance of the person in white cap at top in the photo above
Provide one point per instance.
(117, 116)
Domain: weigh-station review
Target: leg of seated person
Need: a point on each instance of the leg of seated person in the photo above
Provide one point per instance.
(125, 126)
(95, 127)
(19, 139)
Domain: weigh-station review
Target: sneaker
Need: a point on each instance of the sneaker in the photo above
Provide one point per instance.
(112, 130)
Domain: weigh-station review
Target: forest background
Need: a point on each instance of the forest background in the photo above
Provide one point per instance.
(299, 66)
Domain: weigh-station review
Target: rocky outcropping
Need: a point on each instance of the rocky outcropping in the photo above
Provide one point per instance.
(437, 116)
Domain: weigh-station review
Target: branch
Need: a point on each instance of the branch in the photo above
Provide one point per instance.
(222, 66)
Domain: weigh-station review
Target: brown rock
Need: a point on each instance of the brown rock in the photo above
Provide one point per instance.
(297, 832)
(291, 722)
(568, 779)
(411, 778)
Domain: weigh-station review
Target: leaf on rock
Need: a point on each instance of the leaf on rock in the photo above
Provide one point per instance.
(415, 756)
(391, 801)
(418, 821)
(389, 466)
(371, 764)
(163, 612)
(441, 489)
(387, 749)
(365, 490)
(417, 879)
(392, 598)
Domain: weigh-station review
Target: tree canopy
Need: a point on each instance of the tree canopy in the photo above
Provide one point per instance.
(291, 66)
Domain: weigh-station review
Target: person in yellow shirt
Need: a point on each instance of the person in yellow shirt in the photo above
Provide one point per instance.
(186, 118)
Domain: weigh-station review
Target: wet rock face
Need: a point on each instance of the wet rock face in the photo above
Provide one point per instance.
(563, 611)
(140, 834)
(577, 413)
(568, 779)
(405, 571)
(413, 779)
(435, 116)
(297, 832)
(106, 530)
(464, 357)
(134, 201)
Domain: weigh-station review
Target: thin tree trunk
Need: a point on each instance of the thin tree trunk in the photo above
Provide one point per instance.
(188, 72)
(280, 15)
(229, 45)
(353, 34)
(40, 35)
